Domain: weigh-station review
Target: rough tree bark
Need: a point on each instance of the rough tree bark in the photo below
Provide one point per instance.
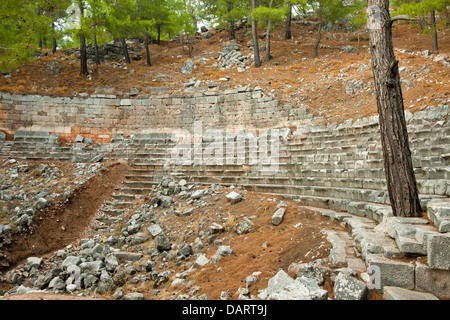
(83, 56)
(434, 31)
(319, 36)
(288, 34)
(231, 33)
(319, 32)
(269, 26)
(158, 41)
(189, 45)
(54, 42)
(255, 39)
(97, 55)
(125, 50)
(401, 182)
(83, 51)
(147, 50)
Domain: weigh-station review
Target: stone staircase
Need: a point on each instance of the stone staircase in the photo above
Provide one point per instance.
(339, 168)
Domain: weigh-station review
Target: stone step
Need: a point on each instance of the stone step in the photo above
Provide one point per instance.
(312, 133)
(145, 166)
(124, 197)
(112, 211)
(137, 190)
(439, 140)
(396, 293)
(138, 184)
(439, 213)
(116, 204)
(342, 252)
(421, 132)
(432, 161)
(105, 221)
(151, 155)
(410, 234)
(293, 171)
(436, 137)
(290, 178)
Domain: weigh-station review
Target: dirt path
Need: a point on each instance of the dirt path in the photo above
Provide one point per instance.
(63, 223)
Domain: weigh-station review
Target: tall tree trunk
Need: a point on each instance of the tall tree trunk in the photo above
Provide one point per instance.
(83, 51)
(97, 55)
(83, 56)
(269, 26)
(125, 50)
(255, 39)
(401, 182)
(45, 42)
(189, 45)
(54, 43)
(158, 41)
(434, 30)
(447, 17)
(231, 33)
(319, 36)
(39, 41)
(147, 50)
(193, 17)
(288, 34)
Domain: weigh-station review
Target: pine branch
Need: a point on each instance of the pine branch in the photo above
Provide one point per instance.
(403, 17)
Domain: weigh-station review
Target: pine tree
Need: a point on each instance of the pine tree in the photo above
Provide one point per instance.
(267, 16)
(20, 23)
(121, 22)
(184, 22)
(401, 182)
(96, 19)
(327, 11)
(421, 9)
(255, 36)
(145, 23)
(225, 13)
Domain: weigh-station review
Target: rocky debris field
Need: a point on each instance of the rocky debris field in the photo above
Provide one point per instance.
(29, 187)
(184, 241)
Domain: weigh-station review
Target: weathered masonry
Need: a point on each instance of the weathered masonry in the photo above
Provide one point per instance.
(100, 115)
(336, 167)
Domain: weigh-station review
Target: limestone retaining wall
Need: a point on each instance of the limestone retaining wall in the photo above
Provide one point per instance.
(99, 116)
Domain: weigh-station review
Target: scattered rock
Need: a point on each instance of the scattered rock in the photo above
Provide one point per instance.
(349, 288)
(97, 158)
(197, 194)
(162, 244)
(283, 287)
(134, 296)
(155, 230)
(348, 49)
(354, 87)
(245, 226)
(277, 217)
(234, 197)
(396, 293)
(187, 67)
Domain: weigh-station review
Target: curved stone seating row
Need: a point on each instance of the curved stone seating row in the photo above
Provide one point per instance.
(315, 162)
